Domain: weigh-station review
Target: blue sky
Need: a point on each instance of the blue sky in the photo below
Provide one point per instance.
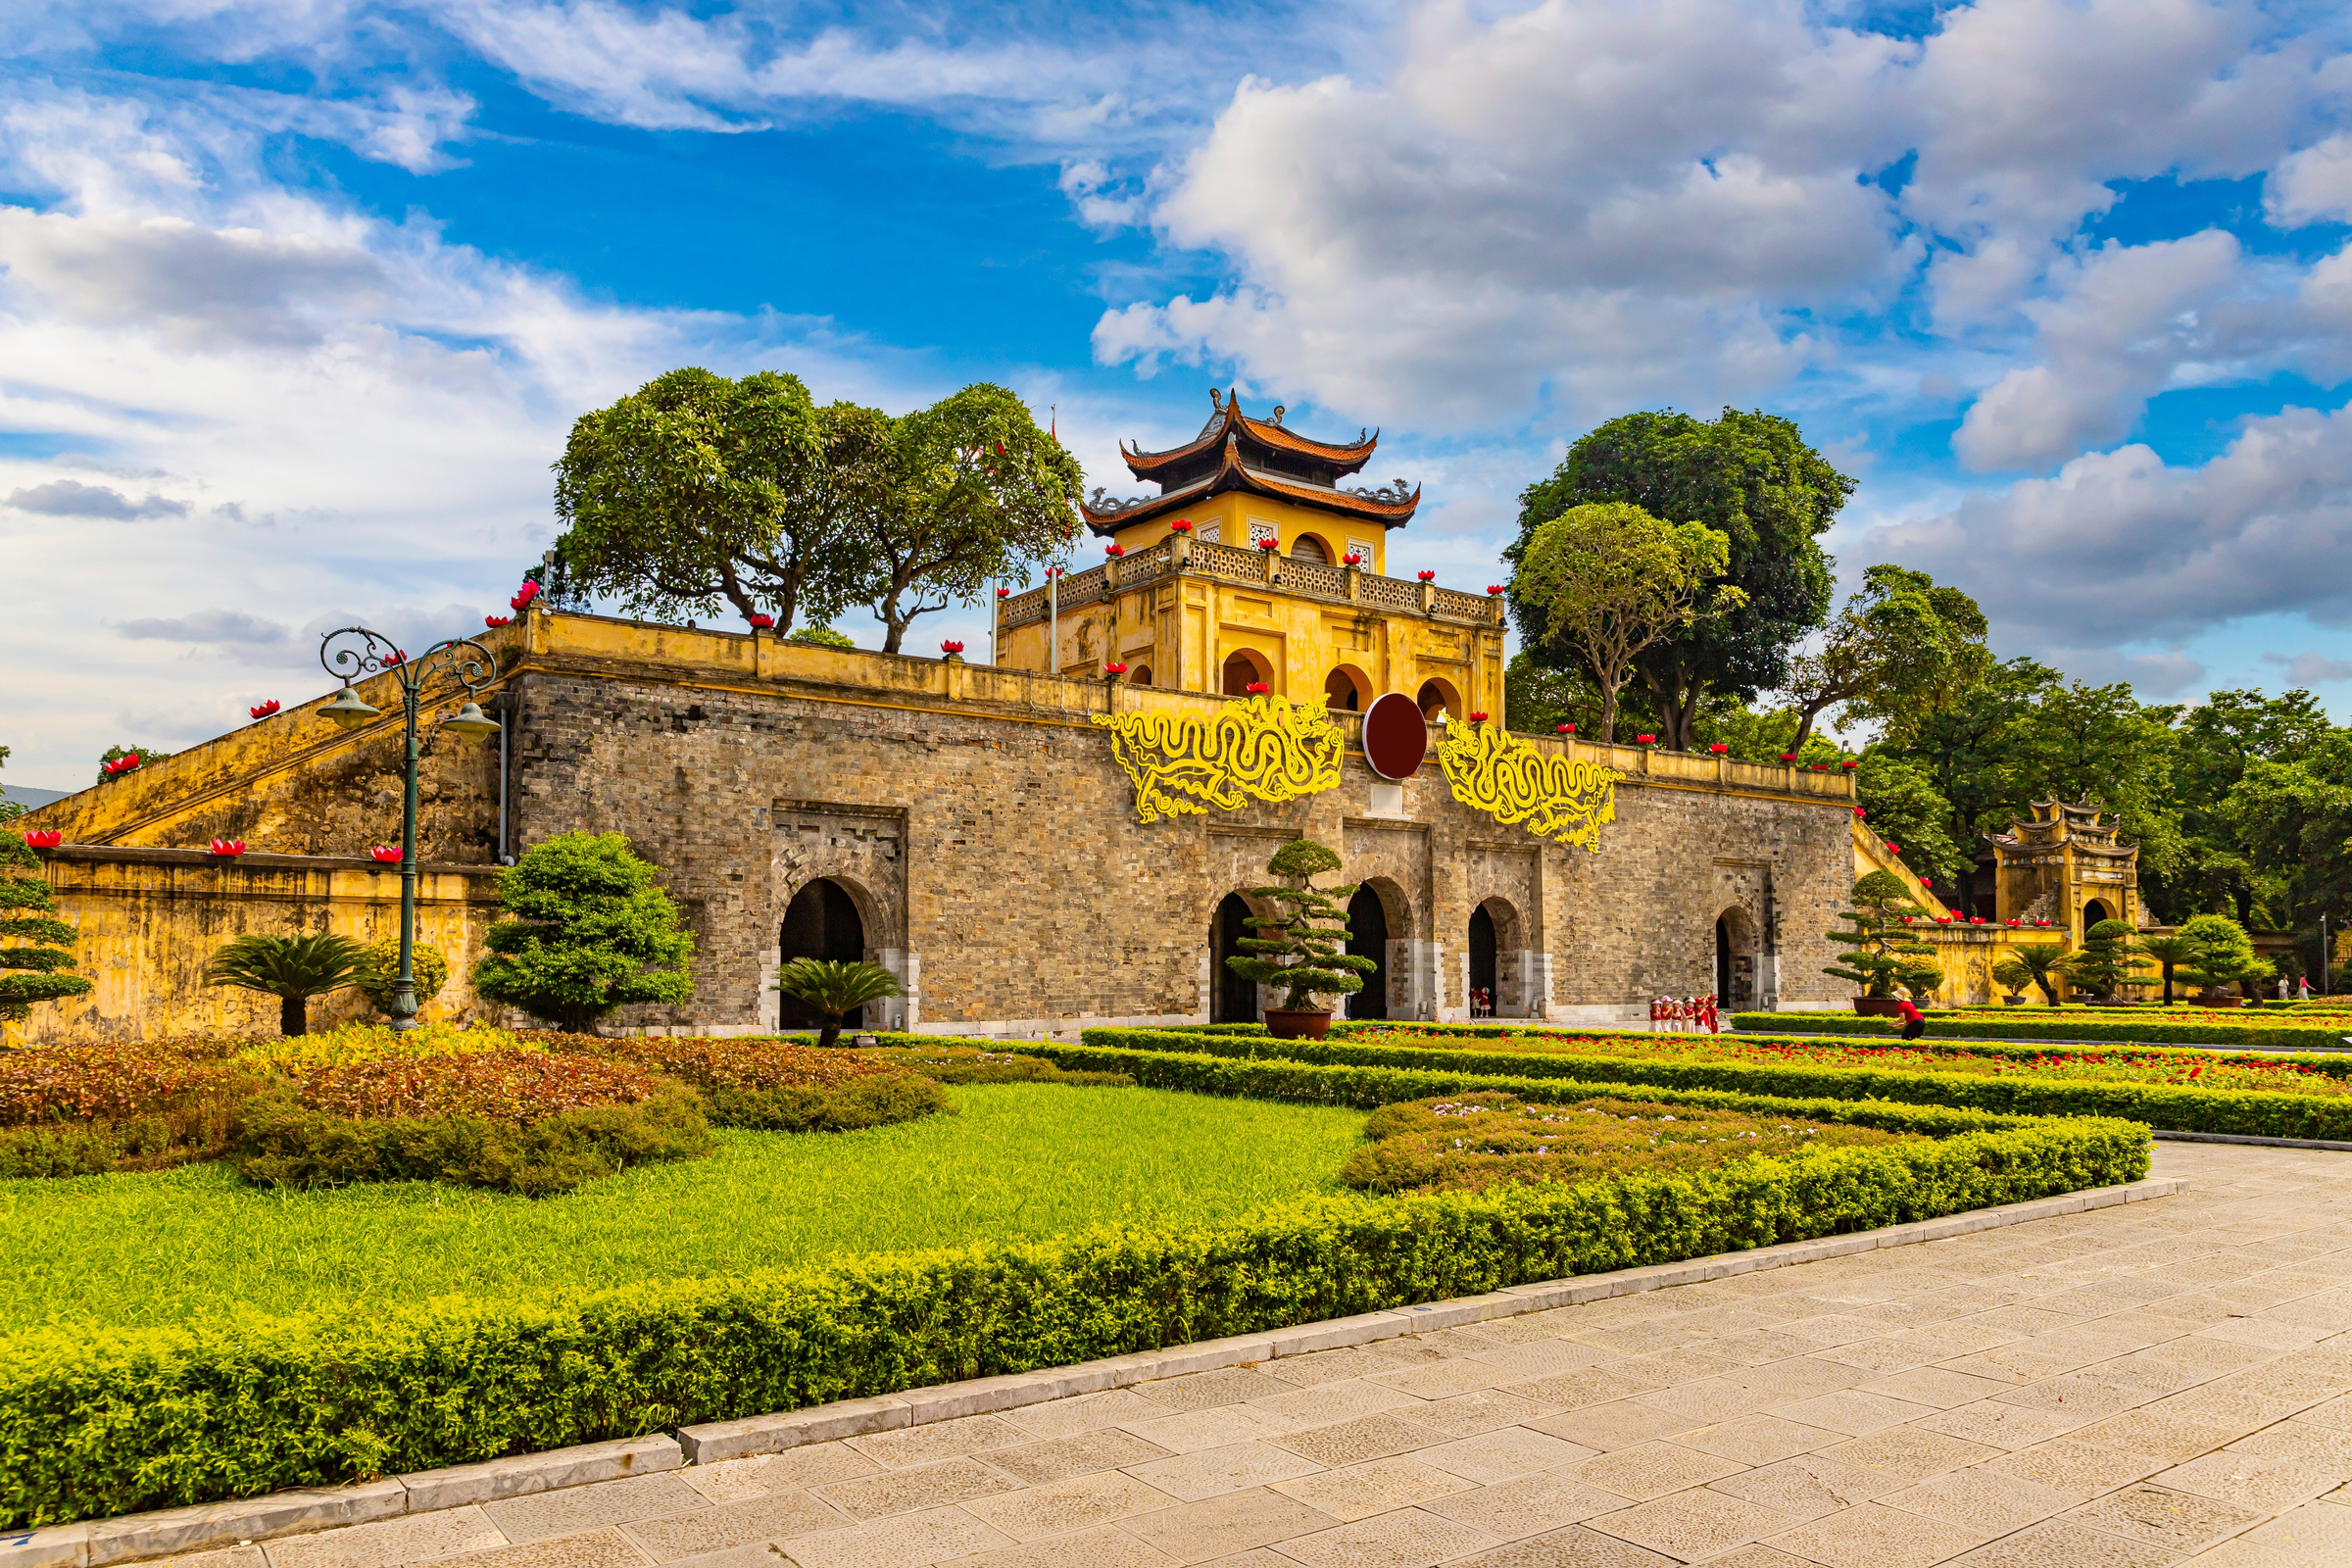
(300, 295)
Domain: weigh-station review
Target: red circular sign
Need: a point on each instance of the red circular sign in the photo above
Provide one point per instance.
(1396, 736)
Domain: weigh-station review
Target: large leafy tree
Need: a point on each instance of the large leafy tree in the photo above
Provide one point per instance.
(1900, 641)
(2253, 775)
(696, 490)
(949, 499)
(587, 930)
(1750, 476)
(1606, 581)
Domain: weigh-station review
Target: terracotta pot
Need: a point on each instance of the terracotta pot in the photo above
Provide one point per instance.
(1879, 1006)
(1305, 1024)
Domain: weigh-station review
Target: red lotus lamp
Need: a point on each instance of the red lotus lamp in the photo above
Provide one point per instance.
(1426, 576)
(1257, 688)
(495, 622)
(384, 855)
(43, 837)
(227, 849)
(264, 711)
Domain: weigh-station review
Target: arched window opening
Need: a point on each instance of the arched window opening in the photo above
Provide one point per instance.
(820, 922)
(1241, 667)
(1141, 676)
(1306, 547)
(1340, 692)
(1435, 697)
(1232, 997)
(1368, 938)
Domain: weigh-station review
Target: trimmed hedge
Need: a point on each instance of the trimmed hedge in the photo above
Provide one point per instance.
(94, 1424)
(2162, 1106)
(2150, 1032)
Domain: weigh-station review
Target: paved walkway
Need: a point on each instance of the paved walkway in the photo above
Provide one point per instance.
(2160, 1383)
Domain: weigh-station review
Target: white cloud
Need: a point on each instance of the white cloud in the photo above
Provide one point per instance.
(2311, 668)
(2119, 548)
(71, 497)
(2313, 185)
(232, 627)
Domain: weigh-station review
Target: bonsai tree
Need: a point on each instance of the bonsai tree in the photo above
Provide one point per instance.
(2169, 953)
(1878, 954)
(378, 974)
(588, 932)
(1301, 948)
(2220, 954)
(292, 969)
(2106, 960)
(29, 915)
(833, 988)
(2039, 964)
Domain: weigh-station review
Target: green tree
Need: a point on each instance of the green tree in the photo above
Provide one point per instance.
(148, 757)
(2039, 964)
(588, 931)
(378, 972)
(1299, 948)
(1900, 641)
(2220, 954)
(821, 637)
(2169, 954)
(835, 988)
(2251, 773)
(10, 809)
(1750, 476)
(1610, 580)
(1900, 805)
(695, 489)
(1878, 954)
(2288, 822)
(293, 969)
(948, 499)
(35, 970)
(2106, 962)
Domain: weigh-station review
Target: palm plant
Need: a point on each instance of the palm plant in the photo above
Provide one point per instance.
(292, 969)
(2044, 963)
(2168, 954)
(834, 987)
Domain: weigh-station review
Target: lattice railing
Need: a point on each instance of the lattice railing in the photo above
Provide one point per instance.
(1235, 563)
(1466, 606)
(1314, 577)
(1389, 593)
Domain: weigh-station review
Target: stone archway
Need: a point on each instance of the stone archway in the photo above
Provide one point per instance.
(1241, 667)
(1368, 938)
(1495, 960)
(1437, 696)
(822, 922)
(1231, 997)
(1736, 961)
(1347, 686)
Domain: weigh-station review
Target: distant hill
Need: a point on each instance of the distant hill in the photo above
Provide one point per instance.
(26, 796)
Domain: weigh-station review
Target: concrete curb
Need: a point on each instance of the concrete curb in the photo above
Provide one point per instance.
(2252, 1138)
(98, 1543)
(713, 1440)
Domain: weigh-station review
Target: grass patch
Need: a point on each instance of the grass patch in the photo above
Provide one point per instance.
(1021, 1162)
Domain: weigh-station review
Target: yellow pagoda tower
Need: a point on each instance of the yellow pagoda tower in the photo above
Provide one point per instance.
(1192, 594)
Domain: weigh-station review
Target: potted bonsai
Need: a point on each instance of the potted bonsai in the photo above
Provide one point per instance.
(1878, 954)
(1300, 948)
(2222, 954)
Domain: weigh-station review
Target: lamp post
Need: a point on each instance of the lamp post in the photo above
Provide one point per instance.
(373, 654)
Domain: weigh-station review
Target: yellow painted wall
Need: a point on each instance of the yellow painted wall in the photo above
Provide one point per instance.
(1230, 515)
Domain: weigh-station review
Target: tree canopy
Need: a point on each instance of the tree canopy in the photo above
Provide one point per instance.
(1748, 477)
(1901, 642)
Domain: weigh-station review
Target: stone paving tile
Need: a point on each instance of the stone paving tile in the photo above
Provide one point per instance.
(1368, 1437)
(1809, 1486)
(2057, 1544)
(1980, 1496)
(1100, 1548)
(577, 1509)
(1572, 1548)
(1621, 1425)
(2161, 1517)
(415, 1538)
(2000, 1426)
(1059, 1459)
(1527, 1505)
(1216, 1428)
(1198, 1391)
(1362, 1489)
(1759, 1439)
(912, 1447)
(1852, 1411)
(1189, 1477)
(1220, 1527)
(591, 1548)
(1468, 1414)
(1875, 1535)
(906, 1541)
(1652, 1469)
(905, 1490)
(1333, 1403)
(1691, 1525)
(2235, 1476)
(1060, 1506)
(1405, 1538)
(777, 1516)
(1499, 1455)
(2316, 1535)
(1083, 1412)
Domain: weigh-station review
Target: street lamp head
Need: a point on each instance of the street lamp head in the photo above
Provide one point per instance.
(347, 712)
(472, 722)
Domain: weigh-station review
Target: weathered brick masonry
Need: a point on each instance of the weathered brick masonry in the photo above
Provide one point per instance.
(975, 817)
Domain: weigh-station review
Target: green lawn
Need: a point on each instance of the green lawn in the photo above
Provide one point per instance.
(1023, 1161)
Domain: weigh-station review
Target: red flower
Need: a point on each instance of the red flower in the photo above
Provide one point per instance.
(1850, 762)
(1719, 748)
(761, 621)
(1858, 812)
(523, 596)
(1257, 688)
(1567, 729)
(43, 837)
(2012, 922)
(1645, 740)
(1477, 718)
(1426, 576)
(1114, 668)
(1352, 559)
(495, 622)
(1924, 882)
(1181, 525)
(396, 657)
(1976, 919)
(1114, 551)
(1787, 757)
(384, 855)
(264, 711)
(228, 848)
(1004, 593)
(1494, 587)
(950, 647)
(1895, 848)
(1821, 767)
(120, 766)
(1269, 544)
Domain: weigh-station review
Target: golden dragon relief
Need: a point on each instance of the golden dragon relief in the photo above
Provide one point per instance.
(1266, 749)
(1512, 780)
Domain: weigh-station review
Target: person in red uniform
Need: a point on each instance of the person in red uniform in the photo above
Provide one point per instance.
(1915, 1022)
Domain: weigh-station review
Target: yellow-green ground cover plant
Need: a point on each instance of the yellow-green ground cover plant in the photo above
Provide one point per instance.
(109, 1422)
(2261, 1029)
(2184, 1091)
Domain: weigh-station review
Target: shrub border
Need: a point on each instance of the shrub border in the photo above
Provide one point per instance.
(2261, 1114)
(2253, 1037)
(95, 1424)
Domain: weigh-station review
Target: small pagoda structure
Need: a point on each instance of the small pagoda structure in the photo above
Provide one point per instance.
(2063, 864)
(1256, 565)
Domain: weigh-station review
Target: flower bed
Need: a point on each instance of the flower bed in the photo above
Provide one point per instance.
(775, 1085)
(2306, 1033)
(513, 1086)
(109, 1422)
(1470, 1143)
(2316, 1108)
